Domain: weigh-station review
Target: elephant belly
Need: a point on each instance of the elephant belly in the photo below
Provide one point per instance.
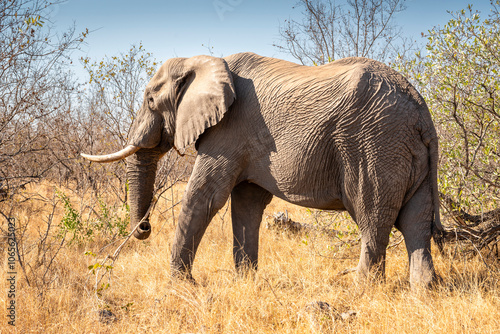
(306, 185)
(314, 203)
(310, 193)
(298, 162)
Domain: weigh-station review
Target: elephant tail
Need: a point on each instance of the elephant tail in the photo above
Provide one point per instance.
(430, 139)
(437, 227)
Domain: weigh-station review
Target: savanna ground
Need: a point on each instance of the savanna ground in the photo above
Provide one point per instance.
(296, 271)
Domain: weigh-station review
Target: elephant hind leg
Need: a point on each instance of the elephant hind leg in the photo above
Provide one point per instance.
(415, 222)
(374, 240)
(248, 202)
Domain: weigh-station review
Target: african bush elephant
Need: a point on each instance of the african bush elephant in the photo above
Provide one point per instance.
(350, 135)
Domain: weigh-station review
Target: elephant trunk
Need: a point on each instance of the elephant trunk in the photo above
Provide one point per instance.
(141, 173)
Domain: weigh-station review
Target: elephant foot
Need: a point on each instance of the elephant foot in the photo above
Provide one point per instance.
(243, 264)
(422, 274)
(375, 273)
(422, 281)
(247, 270)
(182, 275)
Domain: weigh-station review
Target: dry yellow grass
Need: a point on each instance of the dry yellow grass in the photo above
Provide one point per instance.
(294, 271)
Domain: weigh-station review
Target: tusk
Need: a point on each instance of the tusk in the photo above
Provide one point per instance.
(129, 150)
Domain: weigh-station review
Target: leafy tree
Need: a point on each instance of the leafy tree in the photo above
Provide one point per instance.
(460, 79)
(116, 85)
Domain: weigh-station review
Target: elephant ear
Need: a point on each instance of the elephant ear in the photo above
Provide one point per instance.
(206, 93)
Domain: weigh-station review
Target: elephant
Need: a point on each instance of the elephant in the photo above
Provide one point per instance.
(351, 135)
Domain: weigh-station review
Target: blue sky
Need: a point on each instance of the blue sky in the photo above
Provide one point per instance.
(170, 28)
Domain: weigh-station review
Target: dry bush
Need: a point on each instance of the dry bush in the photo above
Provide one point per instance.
(58, 201)
(35, 91)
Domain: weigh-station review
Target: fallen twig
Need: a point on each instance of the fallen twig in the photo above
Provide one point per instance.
(282, 222)
(480, 230)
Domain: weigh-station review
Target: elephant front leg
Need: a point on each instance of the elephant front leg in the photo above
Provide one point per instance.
(248, 202)
(206, 194)
(192, 223)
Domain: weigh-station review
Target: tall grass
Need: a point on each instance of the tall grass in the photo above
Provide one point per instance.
(294, 272)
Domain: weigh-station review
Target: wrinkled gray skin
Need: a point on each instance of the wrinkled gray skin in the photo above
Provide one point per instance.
(351, 135)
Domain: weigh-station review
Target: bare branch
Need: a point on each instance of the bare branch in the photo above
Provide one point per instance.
(328, 31)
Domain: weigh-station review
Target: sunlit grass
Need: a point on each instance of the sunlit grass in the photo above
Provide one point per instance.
(294, 271)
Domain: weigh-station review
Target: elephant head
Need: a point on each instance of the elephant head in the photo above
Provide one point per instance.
(184, 98)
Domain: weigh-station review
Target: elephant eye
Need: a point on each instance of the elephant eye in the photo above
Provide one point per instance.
(151, 102)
